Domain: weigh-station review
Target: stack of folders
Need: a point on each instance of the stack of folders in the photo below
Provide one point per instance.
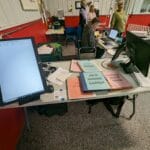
(91, 78)
(93, 81)
(116, 80)
(88, 66)
(75, 91)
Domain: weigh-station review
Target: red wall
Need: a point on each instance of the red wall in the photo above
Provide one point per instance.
(73, 21)
(35, 29)
(139, 19)
(12, 120)
(11, 126)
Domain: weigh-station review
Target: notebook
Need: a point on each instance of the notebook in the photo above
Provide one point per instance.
(116, 80)
(75, 91)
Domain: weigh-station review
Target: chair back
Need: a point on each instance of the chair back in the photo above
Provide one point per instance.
(83, 52)
(87, 53)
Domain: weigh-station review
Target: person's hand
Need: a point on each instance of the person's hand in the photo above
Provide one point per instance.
(97, 34)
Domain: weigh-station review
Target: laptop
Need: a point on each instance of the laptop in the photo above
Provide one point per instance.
(111, 37)
(113, 34)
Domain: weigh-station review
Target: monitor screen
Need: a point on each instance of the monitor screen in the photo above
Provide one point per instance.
(139, 52)
(20, 75)
(113, 34)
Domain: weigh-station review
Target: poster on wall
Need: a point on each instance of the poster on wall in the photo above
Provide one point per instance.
(77, 4)
(29, 5)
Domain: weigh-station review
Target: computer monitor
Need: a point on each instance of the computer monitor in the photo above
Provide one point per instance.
(113, 34)
(139, 52)
(20, 75)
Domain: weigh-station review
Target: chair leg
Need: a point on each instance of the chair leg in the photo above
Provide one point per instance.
(109, 108)
(90, 108)
(133, 102)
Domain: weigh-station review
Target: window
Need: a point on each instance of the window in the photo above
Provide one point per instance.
(145, 6)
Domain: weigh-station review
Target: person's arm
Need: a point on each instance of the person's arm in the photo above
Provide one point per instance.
(84, 15)
(89, 16)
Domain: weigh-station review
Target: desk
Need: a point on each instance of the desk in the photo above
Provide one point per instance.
(60, 31)
(55, 34)
(48, 98)
(109, 48)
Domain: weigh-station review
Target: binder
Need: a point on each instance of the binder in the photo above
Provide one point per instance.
(93, 81)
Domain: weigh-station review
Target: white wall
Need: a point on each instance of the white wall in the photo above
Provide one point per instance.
(133, 6)
(11, 14)
(54, 5)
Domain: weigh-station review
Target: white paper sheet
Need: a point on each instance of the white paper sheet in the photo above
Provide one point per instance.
(45, 50)
(59, 76)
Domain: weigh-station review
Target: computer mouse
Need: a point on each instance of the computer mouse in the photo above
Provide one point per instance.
(50, 89)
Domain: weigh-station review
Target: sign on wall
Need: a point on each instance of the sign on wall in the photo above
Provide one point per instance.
(29, 4)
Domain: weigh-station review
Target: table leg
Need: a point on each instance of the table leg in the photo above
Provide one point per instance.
(27, 119)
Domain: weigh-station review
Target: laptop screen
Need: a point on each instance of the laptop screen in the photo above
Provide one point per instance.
(113, 34)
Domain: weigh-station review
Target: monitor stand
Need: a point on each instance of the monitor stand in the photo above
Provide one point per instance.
(129, 67)
(29, 99)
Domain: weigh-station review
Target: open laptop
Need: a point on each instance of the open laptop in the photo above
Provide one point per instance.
(111, 38)
(113, 34)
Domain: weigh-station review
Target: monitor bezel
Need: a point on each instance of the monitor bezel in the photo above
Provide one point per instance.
(33, 96)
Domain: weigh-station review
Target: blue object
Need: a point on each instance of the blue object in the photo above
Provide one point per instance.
(93, 81)
(70, 33)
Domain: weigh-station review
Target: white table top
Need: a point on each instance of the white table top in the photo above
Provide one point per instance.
(55, 31)
(48, 98)
(109, 48)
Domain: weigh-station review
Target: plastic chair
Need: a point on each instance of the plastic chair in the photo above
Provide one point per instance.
(85, 52)
(70, 34)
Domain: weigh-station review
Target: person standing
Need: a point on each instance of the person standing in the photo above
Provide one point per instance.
(92, 13)
(83, 14)
(119, 18)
